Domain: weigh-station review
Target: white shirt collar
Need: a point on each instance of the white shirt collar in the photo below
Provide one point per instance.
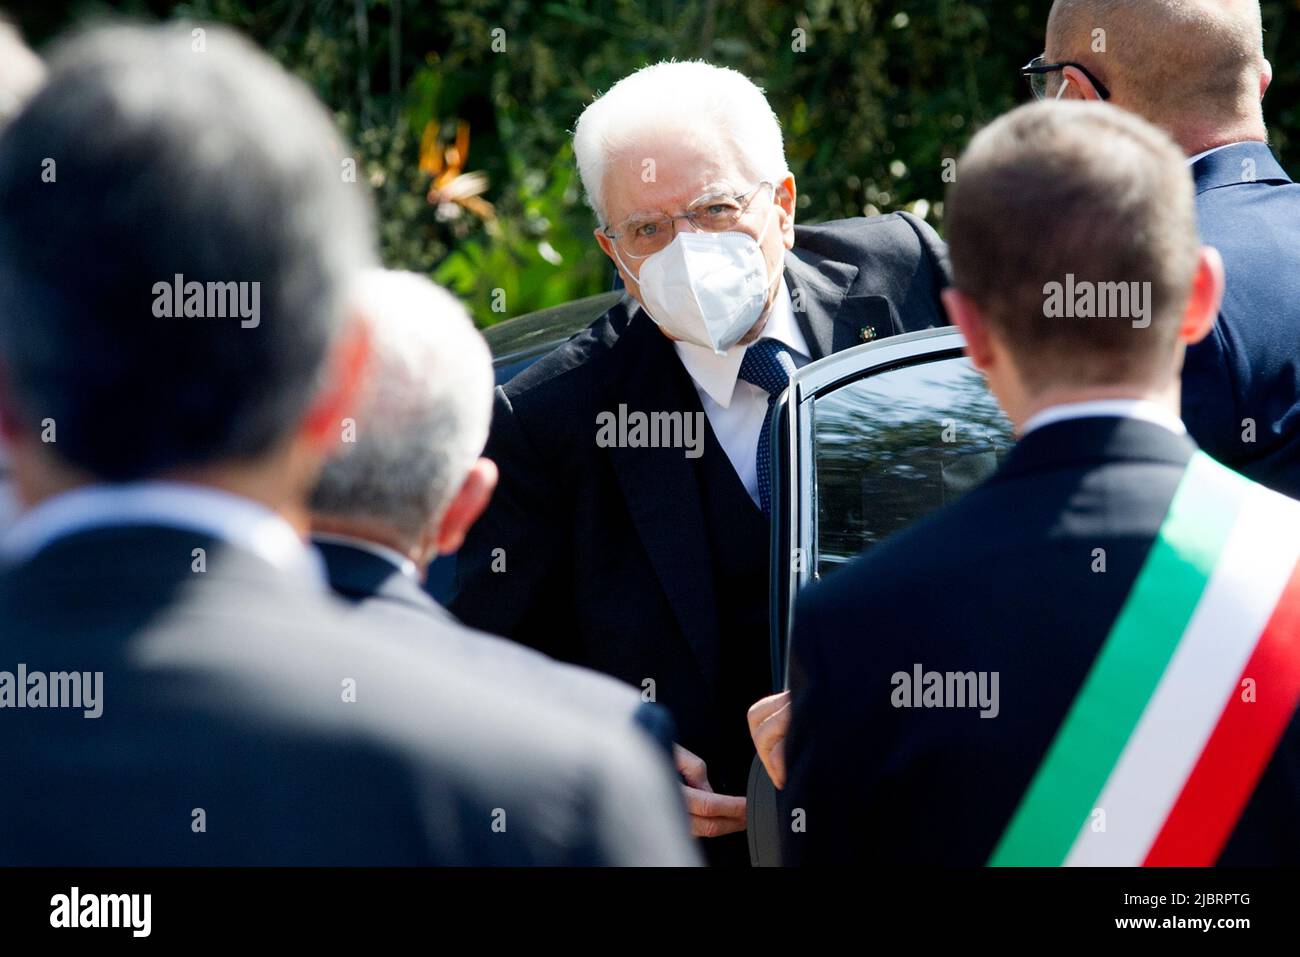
(233, 519)
(1107, 408)
(717, 374)
(1199, 156)
(391, 555)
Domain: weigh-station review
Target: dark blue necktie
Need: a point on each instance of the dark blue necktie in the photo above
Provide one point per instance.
(767, 364)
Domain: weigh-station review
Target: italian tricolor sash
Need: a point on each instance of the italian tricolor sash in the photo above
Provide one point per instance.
(1188, 696)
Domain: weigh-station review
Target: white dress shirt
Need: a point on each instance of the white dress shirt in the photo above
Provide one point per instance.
(391, 555)
(1192, 160)
(735, 408)
(1107, 408)
(231, 518)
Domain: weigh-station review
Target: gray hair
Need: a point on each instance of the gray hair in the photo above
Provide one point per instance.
(184, 154)
(686, 96)
(424, 415)
(21, 70)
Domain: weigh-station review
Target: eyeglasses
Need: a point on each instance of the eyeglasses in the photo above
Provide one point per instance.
(1037, 70)
(642, 236)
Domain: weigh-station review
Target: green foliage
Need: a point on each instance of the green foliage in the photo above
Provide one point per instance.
(873, 97)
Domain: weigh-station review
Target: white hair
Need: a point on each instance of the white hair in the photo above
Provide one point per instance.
(21, 71)
(423, 417)
(686, 96)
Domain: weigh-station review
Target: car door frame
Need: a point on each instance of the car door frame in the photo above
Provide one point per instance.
(794, 487)
(794, 511)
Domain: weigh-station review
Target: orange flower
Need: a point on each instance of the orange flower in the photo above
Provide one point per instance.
(453, 189)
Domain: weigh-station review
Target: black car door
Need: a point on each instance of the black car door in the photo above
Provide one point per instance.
(867, 441)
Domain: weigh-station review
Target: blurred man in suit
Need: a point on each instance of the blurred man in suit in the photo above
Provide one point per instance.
(1197, 69)
(630, 532)
(409, 484)
(21, 72)
(1091, 658)
(176, 685)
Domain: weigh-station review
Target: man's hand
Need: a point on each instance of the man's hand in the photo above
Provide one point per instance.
(712, 815)
(769, 721)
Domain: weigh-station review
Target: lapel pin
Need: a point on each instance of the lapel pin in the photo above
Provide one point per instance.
(868, 333)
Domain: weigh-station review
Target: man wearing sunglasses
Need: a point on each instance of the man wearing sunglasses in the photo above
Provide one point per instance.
(651, 563)
(1197, 68)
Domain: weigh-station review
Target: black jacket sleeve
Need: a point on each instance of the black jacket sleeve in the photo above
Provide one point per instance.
(510, 572)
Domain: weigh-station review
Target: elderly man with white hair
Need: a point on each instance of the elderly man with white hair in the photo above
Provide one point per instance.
(649, 559)
(411, 482)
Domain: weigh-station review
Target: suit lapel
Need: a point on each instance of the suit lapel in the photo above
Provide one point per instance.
(830, 319)
(660, 484)
(817, 289)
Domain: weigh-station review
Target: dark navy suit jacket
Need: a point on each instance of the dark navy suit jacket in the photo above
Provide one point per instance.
(305, 737)
(1001, 581)
(1248, 369)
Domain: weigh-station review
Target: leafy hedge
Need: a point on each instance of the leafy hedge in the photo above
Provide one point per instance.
(873, 97)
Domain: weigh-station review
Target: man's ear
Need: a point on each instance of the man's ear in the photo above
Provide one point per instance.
(967, 317)
(1207, 295)
(1265, 78)
(470, 501)
(1081, 87)
(607, 247)
(605, 243)
(347, 364)
(784, 197)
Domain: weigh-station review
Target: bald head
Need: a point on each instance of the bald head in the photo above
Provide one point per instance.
(1195, 67)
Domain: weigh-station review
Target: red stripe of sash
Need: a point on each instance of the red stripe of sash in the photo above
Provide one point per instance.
(1243, 742)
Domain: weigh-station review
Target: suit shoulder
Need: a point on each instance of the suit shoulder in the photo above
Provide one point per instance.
(503, 664)
(550, 406)
(569, 367)
(254, 663)
(901, 231)
(1251, 223)
(488, 740)
(906, 255)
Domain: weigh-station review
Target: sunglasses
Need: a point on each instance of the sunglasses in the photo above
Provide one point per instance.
(1037, 70)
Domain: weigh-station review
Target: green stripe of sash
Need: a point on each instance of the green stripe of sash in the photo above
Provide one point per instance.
(1127, 669)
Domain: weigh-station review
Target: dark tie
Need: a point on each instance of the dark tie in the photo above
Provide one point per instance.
(767, 364)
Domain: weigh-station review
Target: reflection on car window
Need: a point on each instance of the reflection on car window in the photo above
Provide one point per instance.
(889, 448)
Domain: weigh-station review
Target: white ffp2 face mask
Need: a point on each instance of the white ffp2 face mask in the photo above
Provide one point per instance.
(706, 288)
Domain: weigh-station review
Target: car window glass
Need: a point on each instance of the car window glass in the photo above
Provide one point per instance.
(892, 447)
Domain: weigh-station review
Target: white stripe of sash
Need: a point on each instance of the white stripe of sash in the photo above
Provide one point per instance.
(1245, 585)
